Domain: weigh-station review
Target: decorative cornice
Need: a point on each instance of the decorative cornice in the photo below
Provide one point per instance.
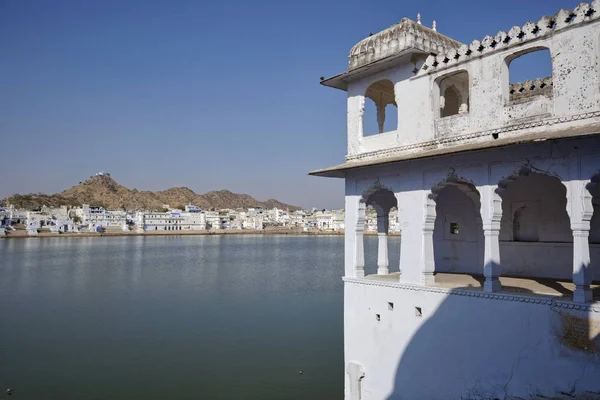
(540, 299)
(404, 35)
(516, 36)
(474, 135)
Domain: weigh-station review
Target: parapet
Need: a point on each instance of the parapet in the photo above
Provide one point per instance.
(516, 36)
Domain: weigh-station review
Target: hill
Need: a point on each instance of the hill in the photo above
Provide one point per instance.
(102, 190)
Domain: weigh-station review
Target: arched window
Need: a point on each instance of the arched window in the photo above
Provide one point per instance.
(381, 113)
(530, 74)
(380, 202)
(454, 94)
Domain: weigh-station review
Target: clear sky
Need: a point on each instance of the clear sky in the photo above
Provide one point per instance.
(209, 95)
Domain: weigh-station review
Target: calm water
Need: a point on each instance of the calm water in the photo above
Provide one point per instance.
(211, 317)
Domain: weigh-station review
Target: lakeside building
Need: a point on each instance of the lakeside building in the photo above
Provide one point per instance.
(49, 219)
(98, 219)
(174, 220)
(496, 186)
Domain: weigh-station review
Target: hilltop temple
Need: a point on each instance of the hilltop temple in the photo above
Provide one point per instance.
(495, 183)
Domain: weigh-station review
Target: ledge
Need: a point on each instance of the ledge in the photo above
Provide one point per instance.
(536, 299)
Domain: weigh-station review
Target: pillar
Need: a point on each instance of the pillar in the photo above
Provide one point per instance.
(380, 116)
(383, 223)
(354, 259)
(582, 273)
(491, 213)
(580, 210)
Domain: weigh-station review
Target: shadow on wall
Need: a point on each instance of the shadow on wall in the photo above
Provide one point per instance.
(479, 348)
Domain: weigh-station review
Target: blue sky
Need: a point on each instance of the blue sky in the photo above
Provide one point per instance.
(209, 95)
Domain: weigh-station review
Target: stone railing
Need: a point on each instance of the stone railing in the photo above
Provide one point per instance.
(515, 36)
(527, 89)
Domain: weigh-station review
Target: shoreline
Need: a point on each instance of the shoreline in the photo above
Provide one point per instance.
(266, 232)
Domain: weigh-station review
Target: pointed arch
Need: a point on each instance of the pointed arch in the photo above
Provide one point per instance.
(452, 228)
(535, 226)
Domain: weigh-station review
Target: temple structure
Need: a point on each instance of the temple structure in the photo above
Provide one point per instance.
(496, 187)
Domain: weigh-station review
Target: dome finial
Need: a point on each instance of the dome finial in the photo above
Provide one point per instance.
(434, 26)
(419, 18)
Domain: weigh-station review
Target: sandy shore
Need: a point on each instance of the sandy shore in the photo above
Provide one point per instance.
(23, 234)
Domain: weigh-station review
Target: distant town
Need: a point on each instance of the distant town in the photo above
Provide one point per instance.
(96, 219)
(19, 220)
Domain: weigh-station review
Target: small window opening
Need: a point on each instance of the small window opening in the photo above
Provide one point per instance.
(378, 317)
(530, 75)
(454, 228)
(418, 312)
(454, 94)
(381, 112)
(390, 306)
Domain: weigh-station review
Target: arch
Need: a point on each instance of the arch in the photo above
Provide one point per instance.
(453, 230)
(382, 199)
(535, 228)
(356, 374)
(383, 99)
(593, 189)
(453, 91)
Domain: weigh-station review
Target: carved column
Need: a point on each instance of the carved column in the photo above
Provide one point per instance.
(580, 210)
(491, 212)
(427, 259)
(380, 115)
(383, 223)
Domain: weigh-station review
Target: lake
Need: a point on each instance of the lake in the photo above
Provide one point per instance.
(178, 317)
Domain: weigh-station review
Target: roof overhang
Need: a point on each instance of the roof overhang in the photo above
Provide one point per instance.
(340, 81)
(339, 171)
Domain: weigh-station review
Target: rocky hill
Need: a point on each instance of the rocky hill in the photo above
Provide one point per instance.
(102, 190)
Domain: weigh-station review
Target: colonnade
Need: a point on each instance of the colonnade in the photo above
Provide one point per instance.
(488, 199)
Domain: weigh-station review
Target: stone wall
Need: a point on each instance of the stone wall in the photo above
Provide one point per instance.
(415, 342)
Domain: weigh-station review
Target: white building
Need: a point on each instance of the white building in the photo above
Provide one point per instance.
(49, 219)
(96, 218)
(213, 220)
(174, 220)
(496, 185)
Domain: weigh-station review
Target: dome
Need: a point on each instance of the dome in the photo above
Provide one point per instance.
(405, 35)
